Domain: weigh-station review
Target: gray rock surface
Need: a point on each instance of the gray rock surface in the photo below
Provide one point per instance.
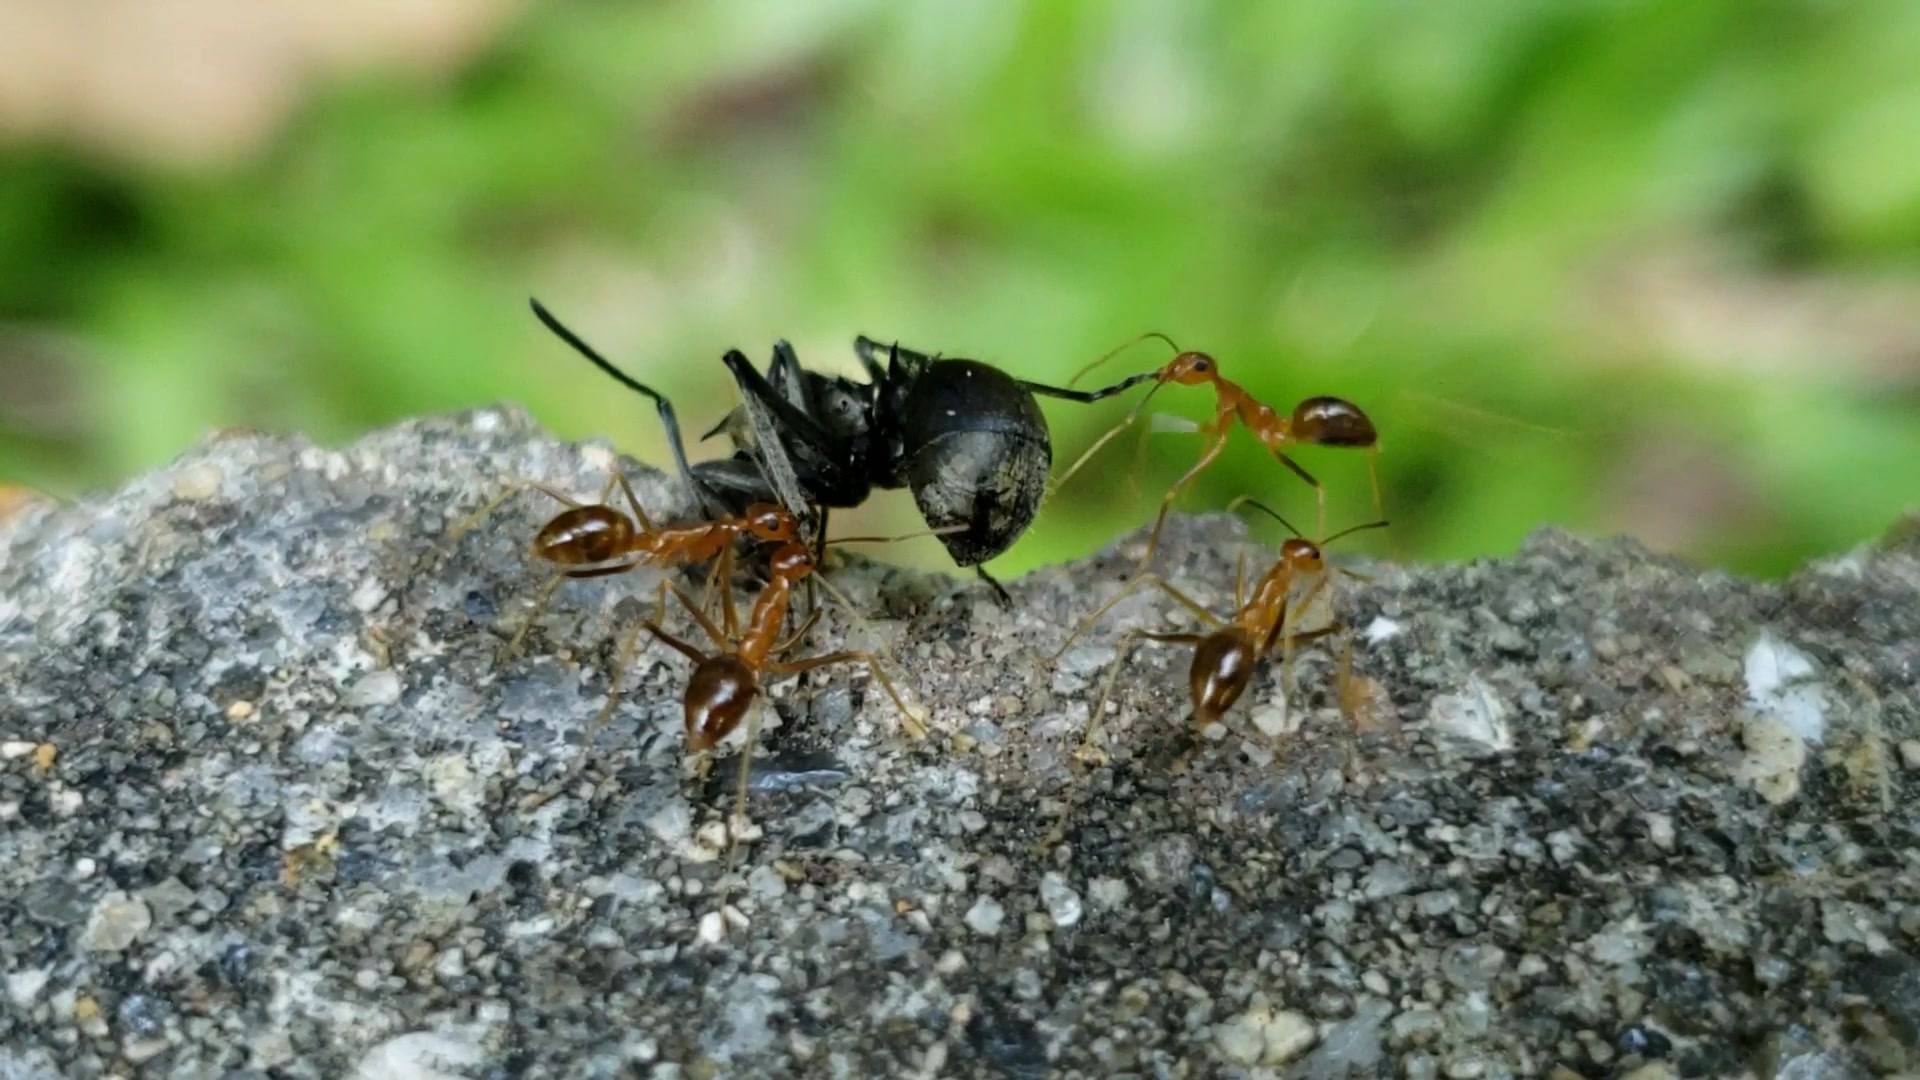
(271, 806)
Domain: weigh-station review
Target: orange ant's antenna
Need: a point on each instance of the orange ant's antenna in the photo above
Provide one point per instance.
(1117, 350)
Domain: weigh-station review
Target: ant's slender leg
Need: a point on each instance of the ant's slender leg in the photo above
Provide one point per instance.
(774, 420)
(713, 632)
(639, 512)
(787, 645)
(1128, 589)
(668, 420)
(1288, 640)
(539, 605)
(908, 722)
(737, 821)
(683, 648)
(497, 501)
(1088, 753)
(727, 609)
(1319, 491)
(1239, 578)
(999, 590)
(1153, 540)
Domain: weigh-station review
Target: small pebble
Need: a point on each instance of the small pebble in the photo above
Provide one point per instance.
(1063, 904)
(985, 916)
(1910, 754)
(118, 920)
(196, 483)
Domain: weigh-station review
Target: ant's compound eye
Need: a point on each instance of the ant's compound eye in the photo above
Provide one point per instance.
(1203, 365)
(769, 523)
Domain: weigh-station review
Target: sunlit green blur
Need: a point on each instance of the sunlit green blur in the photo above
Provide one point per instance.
(1624, 267)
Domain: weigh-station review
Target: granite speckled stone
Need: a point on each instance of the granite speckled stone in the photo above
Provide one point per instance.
(272, 805)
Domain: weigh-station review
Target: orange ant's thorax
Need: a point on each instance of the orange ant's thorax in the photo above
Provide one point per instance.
(763, 626)
(1266, 603)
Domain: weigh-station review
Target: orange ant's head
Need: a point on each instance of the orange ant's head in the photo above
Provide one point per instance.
(1332, 421)
(1223, 665)
(791, 561)
(583, 535)
(718, 696)
(770, 521)
(1302, 556)
(1191, 369)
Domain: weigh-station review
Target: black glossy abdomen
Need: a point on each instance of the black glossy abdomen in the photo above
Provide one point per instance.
(978, 454)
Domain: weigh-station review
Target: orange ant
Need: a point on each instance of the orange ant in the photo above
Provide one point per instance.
(722, 688)
(1317, 421)
(589, 540)
(1224, 658)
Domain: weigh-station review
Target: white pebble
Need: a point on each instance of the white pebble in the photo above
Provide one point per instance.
(1063, 904)
(985, 916)
(713, 928)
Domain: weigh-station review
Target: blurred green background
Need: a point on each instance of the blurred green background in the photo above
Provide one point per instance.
(1626, 267)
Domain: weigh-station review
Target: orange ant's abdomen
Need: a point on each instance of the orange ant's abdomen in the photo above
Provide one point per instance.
(583, 535)
(1332, 421)
(1222, 668)
(719, 694)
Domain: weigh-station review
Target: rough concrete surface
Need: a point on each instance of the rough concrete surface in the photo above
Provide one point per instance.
(270, 807)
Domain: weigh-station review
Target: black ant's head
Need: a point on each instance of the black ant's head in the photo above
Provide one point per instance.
(1332, 421)
(1222, 668)
(583, 535)
(719, 694)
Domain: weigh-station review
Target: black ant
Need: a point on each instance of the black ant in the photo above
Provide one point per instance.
(1224, 658)
(967, 439)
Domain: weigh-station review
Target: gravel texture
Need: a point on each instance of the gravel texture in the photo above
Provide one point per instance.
(272, 805)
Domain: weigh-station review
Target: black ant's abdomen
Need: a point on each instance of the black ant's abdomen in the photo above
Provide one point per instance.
(977, 454)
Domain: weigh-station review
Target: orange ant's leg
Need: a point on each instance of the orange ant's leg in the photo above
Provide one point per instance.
(1132, 586)
(540, 602)
(1088, 753)
(1288, 640)
(727, 609)
(639, 512)
(1166, 504)
(460, 528)
(788, 644)
(713, 632)
(737, 822)
(909, 723)
(1239, 579)
(684, 648)
(1319, 490)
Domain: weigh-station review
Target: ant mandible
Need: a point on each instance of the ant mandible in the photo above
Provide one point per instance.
(1317, 421)
(1225, 657)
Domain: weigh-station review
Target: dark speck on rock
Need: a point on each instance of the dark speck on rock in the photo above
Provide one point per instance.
(303, 822)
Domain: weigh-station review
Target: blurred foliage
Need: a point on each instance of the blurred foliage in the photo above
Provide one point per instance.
(1460, 215)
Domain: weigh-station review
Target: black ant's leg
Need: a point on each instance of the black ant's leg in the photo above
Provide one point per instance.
(999, 590)
(1087, 397)
(668, 419)
(775, 422)
(898, 356)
